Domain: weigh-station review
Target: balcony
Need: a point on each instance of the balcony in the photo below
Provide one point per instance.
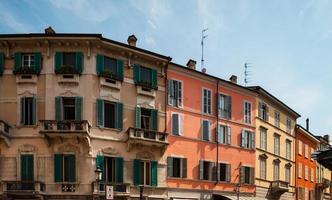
(323, 184)
(120, 189)
(23, 189)
(147, 138)
(4, 132)
(279, 187)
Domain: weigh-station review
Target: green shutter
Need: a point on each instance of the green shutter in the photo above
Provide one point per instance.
(154, 173)
(2, 63)
(119, 68)
(137, 171)
(27, 170)
(100, 163)
(78, 108)
(100, 112)
(58, 108)
(119, 116)
(58, 171)
(154, 78)
(184, 167)
(79, 62)
(17, 60)
(58, 61)
(154, 114)
(119, 169)
(34, 109)
(137, 73)
(38, 62)
(71, 168)
(138, 117)
(23, 110)
(100, 64)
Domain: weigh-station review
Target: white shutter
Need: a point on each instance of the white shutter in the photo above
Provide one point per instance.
(229, 133)
(179, 99)
(181, 124)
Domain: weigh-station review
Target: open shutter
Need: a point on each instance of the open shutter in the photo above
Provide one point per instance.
(38, 62)
(27, 167)
(58, 171)
(58, 61)
(138, 117)
(252, 140)
(242, 174)
(23, 110)
(79, 108)
(219, 132)
(213, 171)
(252, 175)
(206, 130)
(100, 163)
(229, 135)
(119, 116)
(181, 124)
(184, 167)
(260, 110)
(179, 94)
(79, 62)
(119, 169)
(243, 138)
(169, 166)
(120, 68)
(17, 60)
(267, 113)
(228, 173)
(154, 114)
(137, 171)
(100, 64)
(58, 108)
(71, 168)
(34, 110)
(2, 63)
(137, 73)
(175, 124)
(100, 113)
(229, 106)
(154, 78)
(154, 173)
(170, 91)
(201, 169)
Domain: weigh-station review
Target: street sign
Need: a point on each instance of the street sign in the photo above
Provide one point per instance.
(109, 192)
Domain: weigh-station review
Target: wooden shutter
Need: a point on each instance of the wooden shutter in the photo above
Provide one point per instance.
(175, 124)
(267, 113)
(119, 116)
(154, 115)
(58, 108)
(252, 175)
(100, 113)
(229, 135)
(71, 168)
(169, 166)
(27, 169)
(205, 130)
(58, 170)
(181, 124)
(228, 173)
(243, 138)
(154, 76)
(137, 171)
(78, 108)
(58, 61)
(2, 63)
(120, 68)
(179, 94)
(23, 110)
(100, 163)
(38, 62)
(138, 117)
(100, 62)
(229, 107)
(252, 140)
(242, 174)
(34, 109)
(170, 92)
(201, 169)
(184, 167)
(17, 60)
(154, 173)
(137, 73)
(119, 169)
(79, 62)
(219, 133)
(213, 171)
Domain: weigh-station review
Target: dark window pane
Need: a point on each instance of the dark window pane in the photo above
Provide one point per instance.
(69, 59)
(176, 167)
(206, 167)
(109, 115)
(146, 75)
(222, 172)
(110, 171)
(66, 169)
(69, 108)
(110, 65)
(28, 106)
(142, 173)
(148, 173)
(145, 118)
(247, 174)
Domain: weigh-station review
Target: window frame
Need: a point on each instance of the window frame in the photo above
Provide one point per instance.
(288, 154)
(261, 137)
(170, 102)
(276, 138)
(180, 123)
(288, 174)
(288, 125)
(276, 171)
(251, 143)
(227, 110)
(262, 168)
(277, 122)
(245, 113)
(299, 170)
(31, 59)
(209, 133)
(227, 134)
(209, 107)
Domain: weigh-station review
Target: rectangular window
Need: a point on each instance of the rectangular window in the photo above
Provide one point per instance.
(289, 125)
(262, 170)
(306, 150)
(247, 112)
(312, 174)
(110, 66)
(207, 101)
(276, 171)
(109, 114)
(68, 108)
(28, 60)
(289, 149)
(306, 172)
(224, 172)
(224, 134)
(287, 174)
(146, 76)
(248, 139)
(263, 111)
(206, 130)
(277, 118)
(225, 106)
(65, 168)
(27, 167)
(175, 92)
(146, 118)
(69, 59)
(177, 167)
(28, 110)
(206, 170)
(312, 151)
(247, 175)
(145, 172)
(300, 147)
(177, 124)
(299, 170)
(263, 138)
(277, 144)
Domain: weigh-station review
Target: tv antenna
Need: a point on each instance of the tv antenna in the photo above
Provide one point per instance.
(247, 73)
(202, 44)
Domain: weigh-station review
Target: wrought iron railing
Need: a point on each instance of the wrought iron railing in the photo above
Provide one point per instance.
(65, 126)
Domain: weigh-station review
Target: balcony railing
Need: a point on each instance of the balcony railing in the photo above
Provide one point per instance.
(65, 126)
(279, 186)
(23, 186)
(118, 188)
(4, 128)
(324, 183)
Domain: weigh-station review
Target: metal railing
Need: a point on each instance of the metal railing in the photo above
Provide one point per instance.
(100, 187)
(35, 186)
(280, 184)
(65, 126)
(148, 135)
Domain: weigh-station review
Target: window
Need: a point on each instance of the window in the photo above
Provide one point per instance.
(145, 172)
(300, 193)
(289, 125)
(175, 93)
(289, 149)
(65, 168)
(177, 167)
(312, 175)
(262, 170)
(224, 134)
(109, 114)
(177, 124)
(224, 172)
(206, 169)
(306, 172)
(263, 138)
(263, 111)
(28, 60)
(111, 168)
(287, 174)
(207, 101)
(206, 130)
(68, 62)
(312, 151)
(109, 67)
(300, 147)
(68, 108)
(247, 112)
(146, 119)
(277, 144)
(248, 139)
(27, 167)
(306, 150)
(306, 193)
(300, 170)
(145, 77)
(225, 106)
(276, 170)
(27, 63)
(28, 110)
(69, 59)
(277, 118)
(247, 175)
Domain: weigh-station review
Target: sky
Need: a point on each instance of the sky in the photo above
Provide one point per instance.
(287, 43)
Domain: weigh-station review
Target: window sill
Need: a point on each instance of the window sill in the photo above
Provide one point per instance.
(68, 78)
(27, 78)
(110, 83)
(108, 129)
(142, 91)
(26, 126)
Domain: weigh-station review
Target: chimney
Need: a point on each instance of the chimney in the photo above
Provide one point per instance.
(233, 79)
(49, 31)
(327, 138)
(191, 64)
(132, 40)
(307, 124)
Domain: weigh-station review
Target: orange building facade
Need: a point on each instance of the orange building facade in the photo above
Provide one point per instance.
(306, 144)
(211, 124)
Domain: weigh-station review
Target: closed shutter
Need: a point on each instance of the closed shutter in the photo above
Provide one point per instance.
(58, 171)
(79, 62)
(201, 169)
(252, 140)
(252, 175)
(154, 76)
(2, 63)
(119, 116)
(170, 92)
(205, 130)
(119, 169)
(58, 61)
(179, 97)
(267, 113)
(137, 73)
(100, 113)
(78, 108)
(18, 61)
(120, 68)
(213, 171)
(243, 138)
(154, 114)
(137, 171)
(175, 124)
(229, 107)
(228, 173)
(38, 62)
(219, 136)
(138, 117)
(23, 110)
(27, 170)
(100, 64)
(34, 109)
(58, 108)
(184, 167)
(181, 124)
(242, 174)
(154, 173)
(71, 168)
(100, 163)
(229, 135)
(169, 166)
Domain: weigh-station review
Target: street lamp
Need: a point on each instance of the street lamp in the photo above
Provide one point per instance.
(98, 177)
(141, 188)
(238, 191)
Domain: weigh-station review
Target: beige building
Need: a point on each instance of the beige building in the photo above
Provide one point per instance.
(74, 106)
(275, 147)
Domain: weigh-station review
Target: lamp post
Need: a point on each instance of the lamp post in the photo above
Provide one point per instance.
(238, 191)
(141, 188)
(98, 178)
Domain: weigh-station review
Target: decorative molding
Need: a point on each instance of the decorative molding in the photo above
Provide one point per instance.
(68, 93)
(145, 155)
(27, 148)
(110, 151)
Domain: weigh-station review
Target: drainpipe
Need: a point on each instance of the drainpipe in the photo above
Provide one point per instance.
(217, 132)
(166, 92)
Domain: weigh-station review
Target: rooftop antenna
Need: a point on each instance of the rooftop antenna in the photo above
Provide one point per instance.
(202, 43)
(247, 73)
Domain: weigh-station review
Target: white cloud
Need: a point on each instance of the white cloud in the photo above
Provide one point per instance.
(12, 22)
(150, 41)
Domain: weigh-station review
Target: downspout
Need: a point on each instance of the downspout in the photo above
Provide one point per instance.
(217, 132)
(166, 91)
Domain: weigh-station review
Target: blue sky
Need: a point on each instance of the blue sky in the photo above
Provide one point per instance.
(292, 40)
